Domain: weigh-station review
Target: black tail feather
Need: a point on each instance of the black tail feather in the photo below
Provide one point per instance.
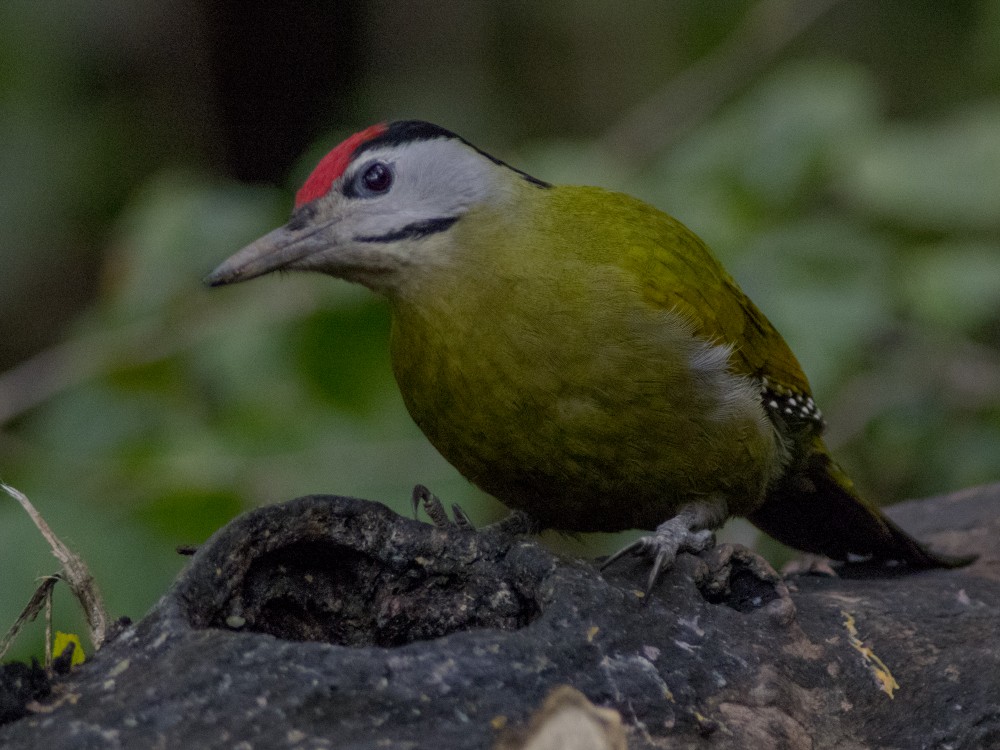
(815, 509)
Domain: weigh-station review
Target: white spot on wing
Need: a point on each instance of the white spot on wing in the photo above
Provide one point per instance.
(735, 396)
(711, 358)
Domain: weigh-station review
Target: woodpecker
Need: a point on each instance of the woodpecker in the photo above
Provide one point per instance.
(576, 353)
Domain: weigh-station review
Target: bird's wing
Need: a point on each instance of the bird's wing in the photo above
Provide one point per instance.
(678, 272)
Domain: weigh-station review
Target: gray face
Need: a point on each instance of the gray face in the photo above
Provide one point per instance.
(373, 216)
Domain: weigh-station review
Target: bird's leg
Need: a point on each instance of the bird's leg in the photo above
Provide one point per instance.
(435, 509)
(691, 530)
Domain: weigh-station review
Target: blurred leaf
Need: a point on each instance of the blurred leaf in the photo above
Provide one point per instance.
(940, 176)
(45, 164)
(574, 163)
(90, 424)
(180, 227)
(765, 156)
(188, 515)
(157, 376)
(343, 355)
(825, 286)
(955, 284)
(803, 117)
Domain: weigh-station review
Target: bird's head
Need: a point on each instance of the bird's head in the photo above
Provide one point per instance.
(378, 204)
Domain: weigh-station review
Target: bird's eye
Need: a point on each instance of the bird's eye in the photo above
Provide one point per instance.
(377, 178)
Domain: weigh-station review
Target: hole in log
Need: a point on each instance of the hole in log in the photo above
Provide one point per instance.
(746, 591)
(323, 591)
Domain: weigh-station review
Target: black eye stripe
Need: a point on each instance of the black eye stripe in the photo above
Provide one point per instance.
(412, 231)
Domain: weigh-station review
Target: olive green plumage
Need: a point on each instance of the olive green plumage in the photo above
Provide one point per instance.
(575, 352)
(553, 365)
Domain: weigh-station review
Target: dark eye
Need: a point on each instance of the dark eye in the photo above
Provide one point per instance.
(377, 178)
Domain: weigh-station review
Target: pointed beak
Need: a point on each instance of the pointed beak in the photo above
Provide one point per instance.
(281, 249)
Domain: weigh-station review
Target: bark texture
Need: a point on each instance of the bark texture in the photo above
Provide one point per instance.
(332, 622)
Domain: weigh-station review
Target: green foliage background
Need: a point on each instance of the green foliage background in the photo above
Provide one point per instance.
(852, 186)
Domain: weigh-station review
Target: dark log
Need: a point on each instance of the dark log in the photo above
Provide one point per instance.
(333, 622)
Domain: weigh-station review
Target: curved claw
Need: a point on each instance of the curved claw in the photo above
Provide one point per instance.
(639, 547)
(461, 519)
(416, 497)
(658, 563)
(434, 509)
(688, 531)
(432, 506)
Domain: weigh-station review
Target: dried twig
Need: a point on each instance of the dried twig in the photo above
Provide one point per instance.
(48, 630)
(41, 598)
(74, 572)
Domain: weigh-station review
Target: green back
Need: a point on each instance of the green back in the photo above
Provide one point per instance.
(679, 273)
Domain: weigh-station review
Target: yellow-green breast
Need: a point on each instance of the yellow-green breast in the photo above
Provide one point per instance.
(592, 364)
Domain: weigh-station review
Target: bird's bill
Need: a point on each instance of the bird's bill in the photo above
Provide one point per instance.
(279, 249)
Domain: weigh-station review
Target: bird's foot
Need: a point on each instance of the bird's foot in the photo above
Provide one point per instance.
(518, 523)
(688, 531)
(809, 564)
(663, 546)
(433, 507)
